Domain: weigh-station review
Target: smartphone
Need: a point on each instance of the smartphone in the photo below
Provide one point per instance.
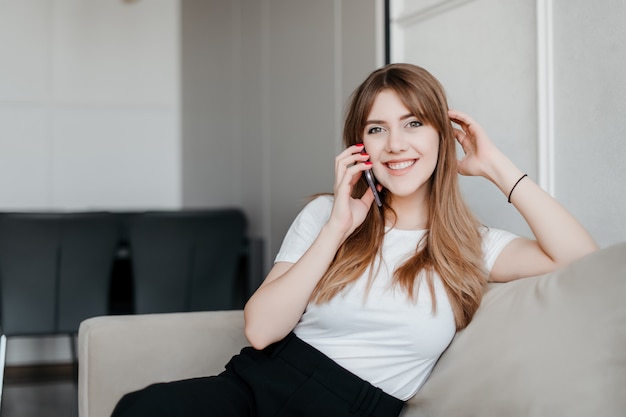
(369, 177)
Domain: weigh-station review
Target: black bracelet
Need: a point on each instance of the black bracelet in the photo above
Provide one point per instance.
(520, 178)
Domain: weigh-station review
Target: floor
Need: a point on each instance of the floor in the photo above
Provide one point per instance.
(40, 391)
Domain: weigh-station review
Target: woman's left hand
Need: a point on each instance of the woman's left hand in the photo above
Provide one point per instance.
(480, 152)
(560, 238)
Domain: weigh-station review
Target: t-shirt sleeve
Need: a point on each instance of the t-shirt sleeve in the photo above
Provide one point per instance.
(494, 240)
(304, 229)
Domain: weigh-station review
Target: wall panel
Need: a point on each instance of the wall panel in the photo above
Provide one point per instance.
(25, 39)
(114, 52)
(545, 79)
(269, 101)
(24, 158)
(484, 53)
(114, 158)
(589, 111)
(98, 83)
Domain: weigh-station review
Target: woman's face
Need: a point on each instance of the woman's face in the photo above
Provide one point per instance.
(403, 150)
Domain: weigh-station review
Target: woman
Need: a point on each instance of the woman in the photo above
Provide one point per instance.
(362, 299)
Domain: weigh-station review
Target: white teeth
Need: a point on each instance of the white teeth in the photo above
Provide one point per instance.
(401, 165)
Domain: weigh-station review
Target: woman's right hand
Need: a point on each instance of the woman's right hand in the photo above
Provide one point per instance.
(348, 212)
(278, 304)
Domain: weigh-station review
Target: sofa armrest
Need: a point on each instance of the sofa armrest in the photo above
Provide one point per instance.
(120, 354)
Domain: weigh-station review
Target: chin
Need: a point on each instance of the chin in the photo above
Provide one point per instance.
(403, 194)
(407, 192)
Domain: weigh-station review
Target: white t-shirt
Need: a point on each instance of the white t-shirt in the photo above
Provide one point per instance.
(384, 338)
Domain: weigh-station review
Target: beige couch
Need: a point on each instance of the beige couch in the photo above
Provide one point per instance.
(553, 345)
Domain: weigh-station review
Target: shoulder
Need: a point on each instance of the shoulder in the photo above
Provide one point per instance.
(305, 228)
(323, 202)
(493, 236)
(494, 241)
(317, 210)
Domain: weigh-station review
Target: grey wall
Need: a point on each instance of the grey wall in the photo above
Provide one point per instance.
(264, 83)
(590, 109)
(544, 79)
(484, 54)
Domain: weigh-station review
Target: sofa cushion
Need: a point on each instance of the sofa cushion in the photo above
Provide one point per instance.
(543, 346)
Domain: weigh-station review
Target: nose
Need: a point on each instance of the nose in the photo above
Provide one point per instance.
(396, 142)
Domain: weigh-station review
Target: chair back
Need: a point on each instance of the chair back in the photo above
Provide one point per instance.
(88, 243)
(54, 270)
(186, 260)
(29, 254)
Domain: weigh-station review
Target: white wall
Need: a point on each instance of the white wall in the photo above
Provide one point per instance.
(89, 104)
(544, 78)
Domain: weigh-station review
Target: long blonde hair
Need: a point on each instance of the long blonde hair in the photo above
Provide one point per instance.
(452, 245)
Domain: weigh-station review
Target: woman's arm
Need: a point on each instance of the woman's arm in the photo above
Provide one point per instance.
(560, 238)
(276, 307)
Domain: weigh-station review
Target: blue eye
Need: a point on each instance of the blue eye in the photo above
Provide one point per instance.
(414, 123)
(374, 130)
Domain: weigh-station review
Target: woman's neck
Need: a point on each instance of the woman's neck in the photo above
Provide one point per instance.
(411, 213)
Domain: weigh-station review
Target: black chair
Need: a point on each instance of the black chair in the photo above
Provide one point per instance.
(186, 260)
(54, 272)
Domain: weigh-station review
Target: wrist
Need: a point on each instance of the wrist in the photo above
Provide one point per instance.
(504, 174)
(514, 186)
(334, 233)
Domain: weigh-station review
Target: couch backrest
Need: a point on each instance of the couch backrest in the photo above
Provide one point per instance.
(553, 345)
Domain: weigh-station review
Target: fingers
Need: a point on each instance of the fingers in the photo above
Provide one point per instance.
(468, 125)
(349, 166)
(480, 151)
(460, 118)
(349, 163)
(351, 155)
(460, 136)
(368, 197)
(471, 134)
(464, 121)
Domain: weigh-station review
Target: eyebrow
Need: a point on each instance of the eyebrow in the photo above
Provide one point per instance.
(382, 122)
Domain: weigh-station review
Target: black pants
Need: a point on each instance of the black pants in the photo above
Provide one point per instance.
(289, 378)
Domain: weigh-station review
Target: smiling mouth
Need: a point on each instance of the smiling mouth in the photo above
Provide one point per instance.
(400, 165)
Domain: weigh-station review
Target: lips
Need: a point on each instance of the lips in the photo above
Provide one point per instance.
(394, 166)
